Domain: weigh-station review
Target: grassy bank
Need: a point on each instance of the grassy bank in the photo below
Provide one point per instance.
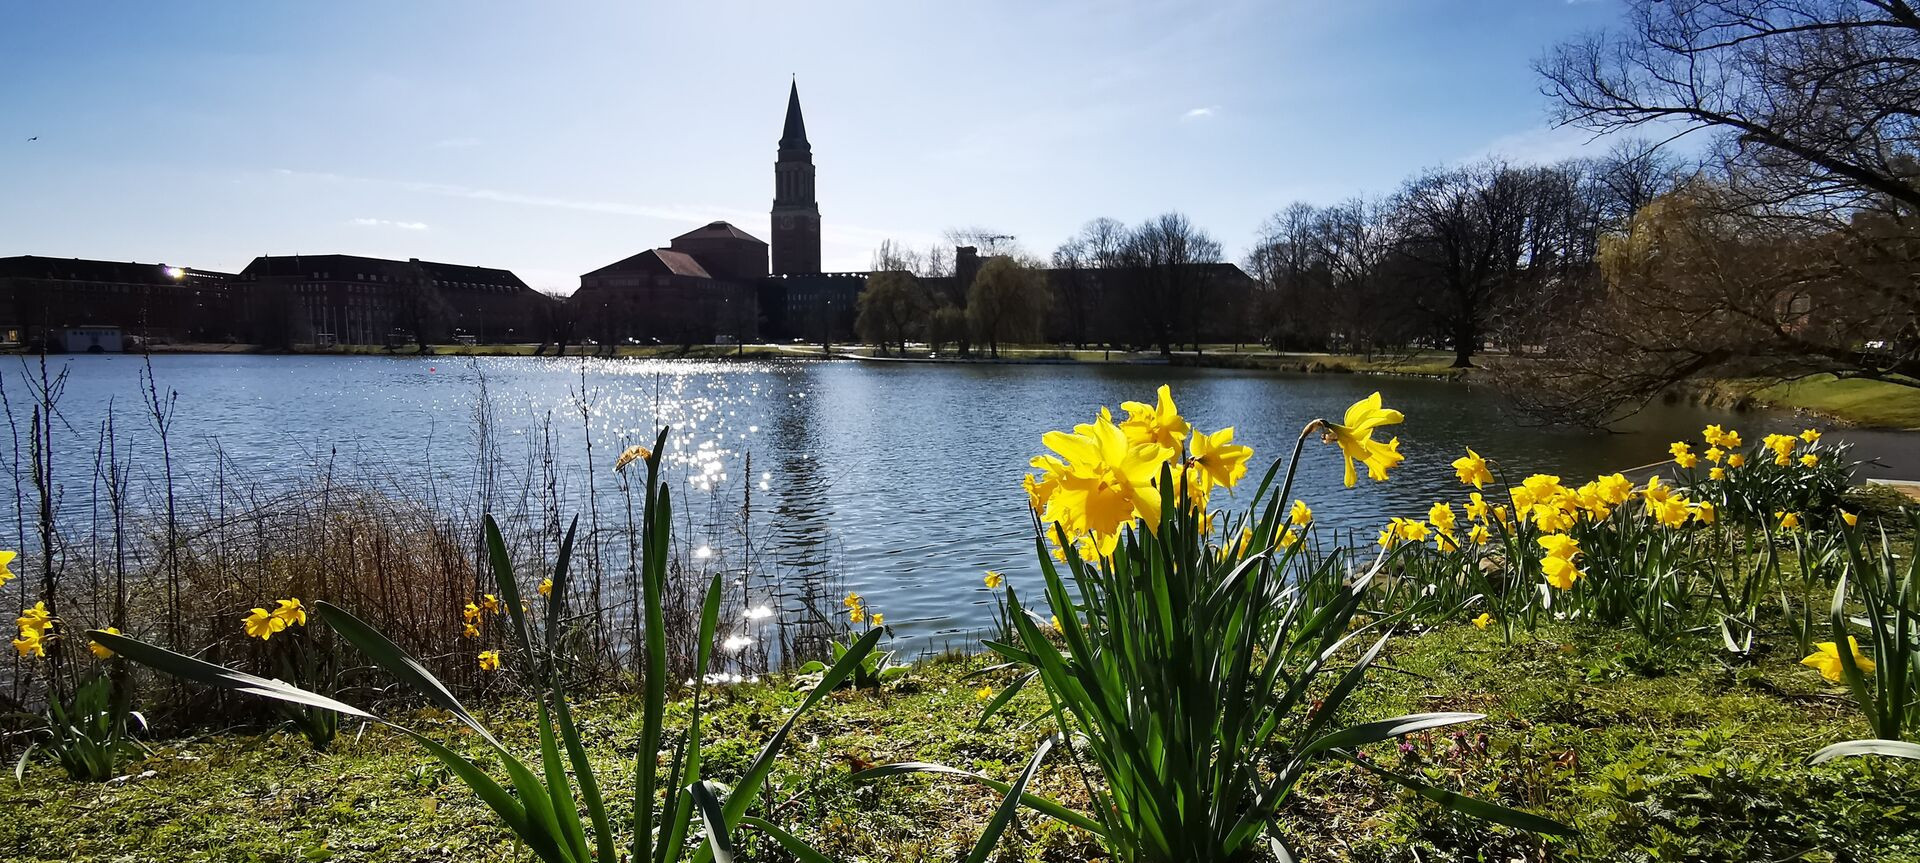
(1653, 754)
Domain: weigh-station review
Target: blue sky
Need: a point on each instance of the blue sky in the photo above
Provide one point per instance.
(552, 139)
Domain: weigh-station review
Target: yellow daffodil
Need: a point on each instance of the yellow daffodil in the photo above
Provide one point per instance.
(627, 457)
(489, 660)
(471, 612)
(1500, 514)
(1560, 572)
(1730, 440)
(1440, 515)
(1615, 488)
(1107, 481)
(1299, 515)
(1788, 520)
(1220, 460)
(1411, 530)
(1355, 438)
(261, 624)
(1716, 472)
(1472, 469)
(30, 644)
(994, 580)
(1559, 545)
(1053, 622)
(1715, 454)
(1655, 492)
(1782, 447)
(490, 603)
(1671, 512)
(1687, 462)
(36, 620)
(1827, 660)
(1159, 424)
(1679, 448)
(1704, 512)
(1387, 535)
(6, 566)
(1810, 436)
(1476, 507)
(1483, 620)
(983, 693)
(546, 587)
(878, 619)
(101, 651)
(292, 612)
(1849, 518)
(1810, 460)
(853, 600)
(857, 615)
(1713, 434)
(1478, 535)
(470, 631)
(1736, 459)
(1289, 538)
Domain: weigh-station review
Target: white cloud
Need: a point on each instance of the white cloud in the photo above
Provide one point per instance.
(1200, 113)
(390, 223)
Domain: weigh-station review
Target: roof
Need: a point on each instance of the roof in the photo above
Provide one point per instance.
(463, 274)
(81, 270)
(346, 267)
(794, 134)
(718, 231)
(659, 262)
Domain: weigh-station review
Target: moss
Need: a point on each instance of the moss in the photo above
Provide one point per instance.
(1674, 753)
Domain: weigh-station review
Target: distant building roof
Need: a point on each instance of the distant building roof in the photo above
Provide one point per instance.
(658, 262)
(463, 274)
(81, 270)
(348, 267)
(718, 231)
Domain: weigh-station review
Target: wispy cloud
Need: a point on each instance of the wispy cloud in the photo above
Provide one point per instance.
(1201, 113)
(832, 232)
(390, 223)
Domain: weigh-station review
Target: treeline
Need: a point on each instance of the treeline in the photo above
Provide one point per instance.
(1162, 284)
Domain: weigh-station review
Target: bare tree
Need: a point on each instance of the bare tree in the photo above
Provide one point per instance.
(1168, 255)
(1818, 96)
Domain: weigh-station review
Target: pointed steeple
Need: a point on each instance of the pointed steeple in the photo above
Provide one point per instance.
(794, 135)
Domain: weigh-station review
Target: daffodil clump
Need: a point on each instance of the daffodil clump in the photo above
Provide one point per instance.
(263, 624)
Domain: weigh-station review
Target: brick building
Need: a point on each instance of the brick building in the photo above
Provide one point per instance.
(155, 302)
(348, 299)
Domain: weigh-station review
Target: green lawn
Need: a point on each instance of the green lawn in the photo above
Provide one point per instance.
(1860, 402)
(1667, 754)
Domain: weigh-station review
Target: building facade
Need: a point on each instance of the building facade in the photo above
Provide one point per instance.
(348, 299)
(44, 297)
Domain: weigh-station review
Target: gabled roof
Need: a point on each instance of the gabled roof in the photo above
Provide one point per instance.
(718, 231)
(657, 262)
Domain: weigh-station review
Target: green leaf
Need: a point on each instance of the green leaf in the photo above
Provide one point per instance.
(1385, 729)
(199, 671)
(397, 662)
(719, 843)
(1002, 816)
(1032, 801)
(1472, 806)
(1894, 748)
(795, 845)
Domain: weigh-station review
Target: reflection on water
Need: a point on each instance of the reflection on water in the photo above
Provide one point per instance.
(897, 481)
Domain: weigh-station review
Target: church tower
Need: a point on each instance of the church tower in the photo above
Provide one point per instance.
(796, 215)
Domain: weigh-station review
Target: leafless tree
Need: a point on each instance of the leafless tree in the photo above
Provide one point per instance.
(1819, 98)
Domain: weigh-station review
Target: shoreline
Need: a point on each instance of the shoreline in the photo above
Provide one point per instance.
(1854, 403)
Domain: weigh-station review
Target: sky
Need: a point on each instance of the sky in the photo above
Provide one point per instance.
(555, 138)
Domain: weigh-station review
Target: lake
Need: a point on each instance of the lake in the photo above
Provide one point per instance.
(899, 481)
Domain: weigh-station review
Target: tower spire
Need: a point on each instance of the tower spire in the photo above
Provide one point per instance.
(796, 215)
(794, 135)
